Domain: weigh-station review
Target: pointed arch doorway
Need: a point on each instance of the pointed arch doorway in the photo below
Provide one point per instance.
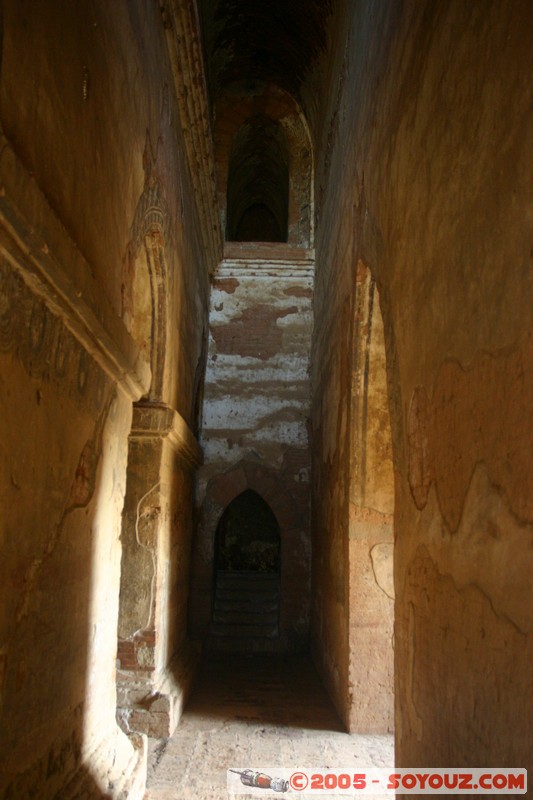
(246, 596)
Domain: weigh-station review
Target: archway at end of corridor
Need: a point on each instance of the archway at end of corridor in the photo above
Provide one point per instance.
(246, 597)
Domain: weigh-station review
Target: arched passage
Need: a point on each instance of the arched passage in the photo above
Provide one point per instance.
(149, 326)
(248, 493)
(264, 165)
(162, 453)
(246, 596)
(247, 537)
(258, 183)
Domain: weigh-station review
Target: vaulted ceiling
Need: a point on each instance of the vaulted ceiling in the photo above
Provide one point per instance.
(275, 41)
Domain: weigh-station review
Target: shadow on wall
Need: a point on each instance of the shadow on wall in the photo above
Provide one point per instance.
(86, 787)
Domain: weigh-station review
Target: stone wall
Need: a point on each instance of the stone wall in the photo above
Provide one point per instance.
(424, 135)
(96, 187)
(419, 115)
(255, 419)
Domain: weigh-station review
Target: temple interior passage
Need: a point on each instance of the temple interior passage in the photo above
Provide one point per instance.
(266, 390)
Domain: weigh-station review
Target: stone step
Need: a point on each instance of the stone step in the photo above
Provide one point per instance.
(248, 605)
(246, 596)
(243, 630)
(225, 616)
(244, 645)
(255, 579)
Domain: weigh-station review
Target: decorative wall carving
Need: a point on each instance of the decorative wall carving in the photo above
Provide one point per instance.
(60, 282)
(151, 232)
(186, 58)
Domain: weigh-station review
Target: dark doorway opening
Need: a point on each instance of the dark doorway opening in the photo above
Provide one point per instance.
(258, 183)
(247, 574)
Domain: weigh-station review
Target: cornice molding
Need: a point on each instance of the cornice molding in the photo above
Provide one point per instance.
(56, 271)
(159, 421)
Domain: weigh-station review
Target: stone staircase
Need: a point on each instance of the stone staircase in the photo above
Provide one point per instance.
(245, 611)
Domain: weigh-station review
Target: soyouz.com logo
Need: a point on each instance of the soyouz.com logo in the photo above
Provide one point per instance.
(356, 782)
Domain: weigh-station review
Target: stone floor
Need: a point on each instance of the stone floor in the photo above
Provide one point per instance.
(256, 712)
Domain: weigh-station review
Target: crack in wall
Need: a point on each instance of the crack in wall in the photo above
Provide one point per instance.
(491, 548)
(463, 587)
(381, 577)
(80, 495)
(475, 414)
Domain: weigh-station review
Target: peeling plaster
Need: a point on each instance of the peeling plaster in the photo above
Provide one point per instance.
(456, 429)
(483, 549)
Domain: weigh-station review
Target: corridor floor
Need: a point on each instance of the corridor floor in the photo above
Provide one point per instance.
(255, 712)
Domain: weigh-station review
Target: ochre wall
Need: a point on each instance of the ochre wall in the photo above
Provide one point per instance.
(95, 158)
(90, 129)
(370, 580)
(423, 131)
(420, 115)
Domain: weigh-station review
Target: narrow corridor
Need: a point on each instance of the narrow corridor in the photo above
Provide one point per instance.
(255, 712)
(266, 386)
